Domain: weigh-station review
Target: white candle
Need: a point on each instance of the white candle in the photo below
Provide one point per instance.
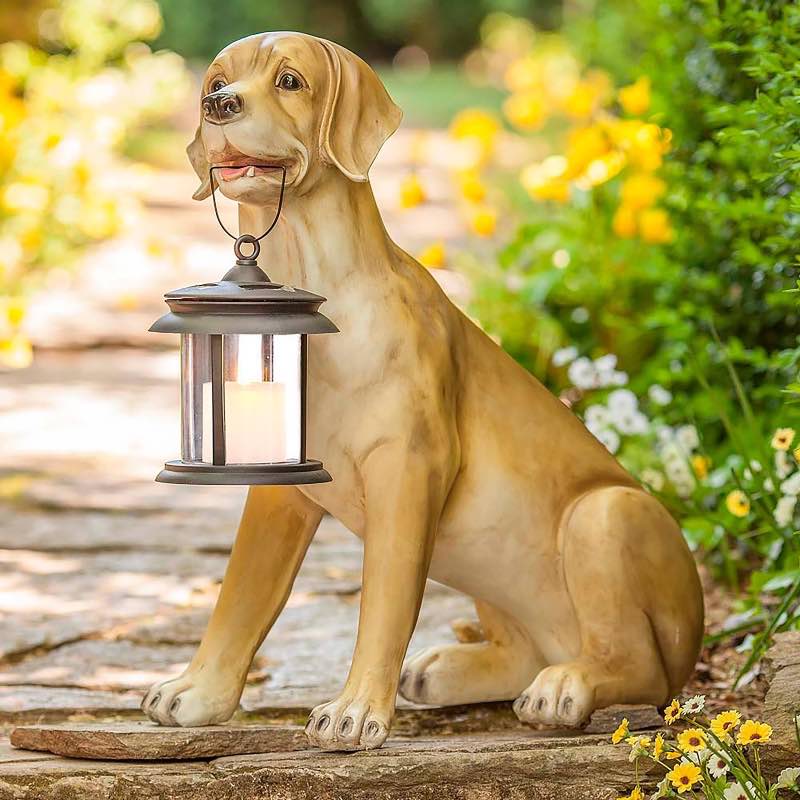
(255, 423)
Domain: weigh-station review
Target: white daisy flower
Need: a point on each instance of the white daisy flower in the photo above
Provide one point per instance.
(717, 766)
(597, 416)
(687, 437)
(582, 373)
(622, 400)
(694, 705)
(791, 485)
(635, 424)
(755, 466)
(736, 792)
(617, 378)
(564, 356)
(606, 364)
(782, 465)
(609, 439)
(784, 510)
(769, 486)
(653, 478)
(659, 395)
(664, 434)
(788, 778)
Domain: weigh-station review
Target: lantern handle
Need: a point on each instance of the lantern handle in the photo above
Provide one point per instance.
(247, 238)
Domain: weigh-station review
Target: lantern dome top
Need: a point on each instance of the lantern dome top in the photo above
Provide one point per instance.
(244, 301)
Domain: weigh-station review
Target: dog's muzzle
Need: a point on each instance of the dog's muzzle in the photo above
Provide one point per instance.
(221, 107)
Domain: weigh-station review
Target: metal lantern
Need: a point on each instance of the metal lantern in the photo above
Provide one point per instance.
(244, 346)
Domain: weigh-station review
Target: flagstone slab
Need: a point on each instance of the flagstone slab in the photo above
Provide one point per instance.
(145, 741)
(487, 767)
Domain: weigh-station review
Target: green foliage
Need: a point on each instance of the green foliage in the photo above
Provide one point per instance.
(373, 28)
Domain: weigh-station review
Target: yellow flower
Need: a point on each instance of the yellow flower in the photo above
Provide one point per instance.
(724, 723)
(471, 186)
(638, 742)
(636, 794)
(523, 74)
(547, 181)
(641, 190)
(583, 100)
(753, 732)
(585, 145)
(658, 747)
(525, 110)
(643, 142)
(692, 740)
(737, 503)
(783, 438)
(624, 222)
(15, 312)
(672, 755)
(412, 192)
(654, 226)
(635, 99)
(484, 221)
(433, 256)
(672, 711)
(474, 123)
(621, 732)
(16, 352)
(601, 170)
(700, 465)
(684, 776)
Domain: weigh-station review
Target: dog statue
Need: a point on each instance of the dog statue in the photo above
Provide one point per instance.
(449, 460)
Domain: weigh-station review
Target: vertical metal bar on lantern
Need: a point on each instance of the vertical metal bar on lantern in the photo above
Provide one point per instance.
(217, 400)
(303, 393)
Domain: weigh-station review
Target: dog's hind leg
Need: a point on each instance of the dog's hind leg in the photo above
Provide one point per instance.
(638, 603)
(498, 668)
(277, 525)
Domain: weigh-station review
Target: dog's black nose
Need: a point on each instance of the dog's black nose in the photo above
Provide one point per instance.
(221, 107)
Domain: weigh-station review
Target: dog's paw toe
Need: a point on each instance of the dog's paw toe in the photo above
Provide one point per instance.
(560, 696)
(183, 702)
(348, 724)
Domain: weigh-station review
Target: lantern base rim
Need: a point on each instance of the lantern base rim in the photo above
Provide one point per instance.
(286, 473)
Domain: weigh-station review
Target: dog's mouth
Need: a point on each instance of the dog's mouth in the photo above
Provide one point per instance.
(249, 168)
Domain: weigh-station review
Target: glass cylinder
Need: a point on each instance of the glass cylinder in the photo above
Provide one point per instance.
(242, 398)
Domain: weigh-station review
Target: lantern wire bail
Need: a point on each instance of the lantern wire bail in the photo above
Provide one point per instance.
(247, 238)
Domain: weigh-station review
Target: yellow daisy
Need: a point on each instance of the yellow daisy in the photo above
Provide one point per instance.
(412, 192)
(692, 740)
(724, 723)
(783, 438)
(672, 712)
(433, 256)
(700, 465)
(621, 732)
(737, 503)
(684, 777)
(658, 747)
(753, 732)
(672, 755)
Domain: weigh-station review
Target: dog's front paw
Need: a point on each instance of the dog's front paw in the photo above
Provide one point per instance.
(186, 701)
(349, 723)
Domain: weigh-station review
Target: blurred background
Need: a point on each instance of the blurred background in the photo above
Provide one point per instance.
(608, 187)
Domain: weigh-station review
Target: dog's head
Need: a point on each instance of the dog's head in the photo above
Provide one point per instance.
(292, 100)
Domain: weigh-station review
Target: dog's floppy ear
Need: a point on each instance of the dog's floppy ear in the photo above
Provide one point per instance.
(359, 115)
(198, 160)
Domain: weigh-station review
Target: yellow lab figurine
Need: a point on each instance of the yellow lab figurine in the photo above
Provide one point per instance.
(449, 460)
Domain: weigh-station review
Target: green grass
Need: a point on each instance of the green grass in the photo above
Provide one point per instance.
(430, 100)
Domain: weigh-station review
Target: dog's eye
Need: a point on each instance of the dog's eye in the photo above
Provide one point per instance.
(289, 82)
(218, 84)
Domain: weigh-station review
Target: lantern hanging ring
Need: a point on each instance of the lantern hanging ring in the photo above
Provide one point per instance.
(247, 238)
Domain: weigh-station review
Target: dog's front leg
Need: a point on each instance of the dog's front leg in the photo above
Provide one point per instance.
(277, 526)
(404, 496)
